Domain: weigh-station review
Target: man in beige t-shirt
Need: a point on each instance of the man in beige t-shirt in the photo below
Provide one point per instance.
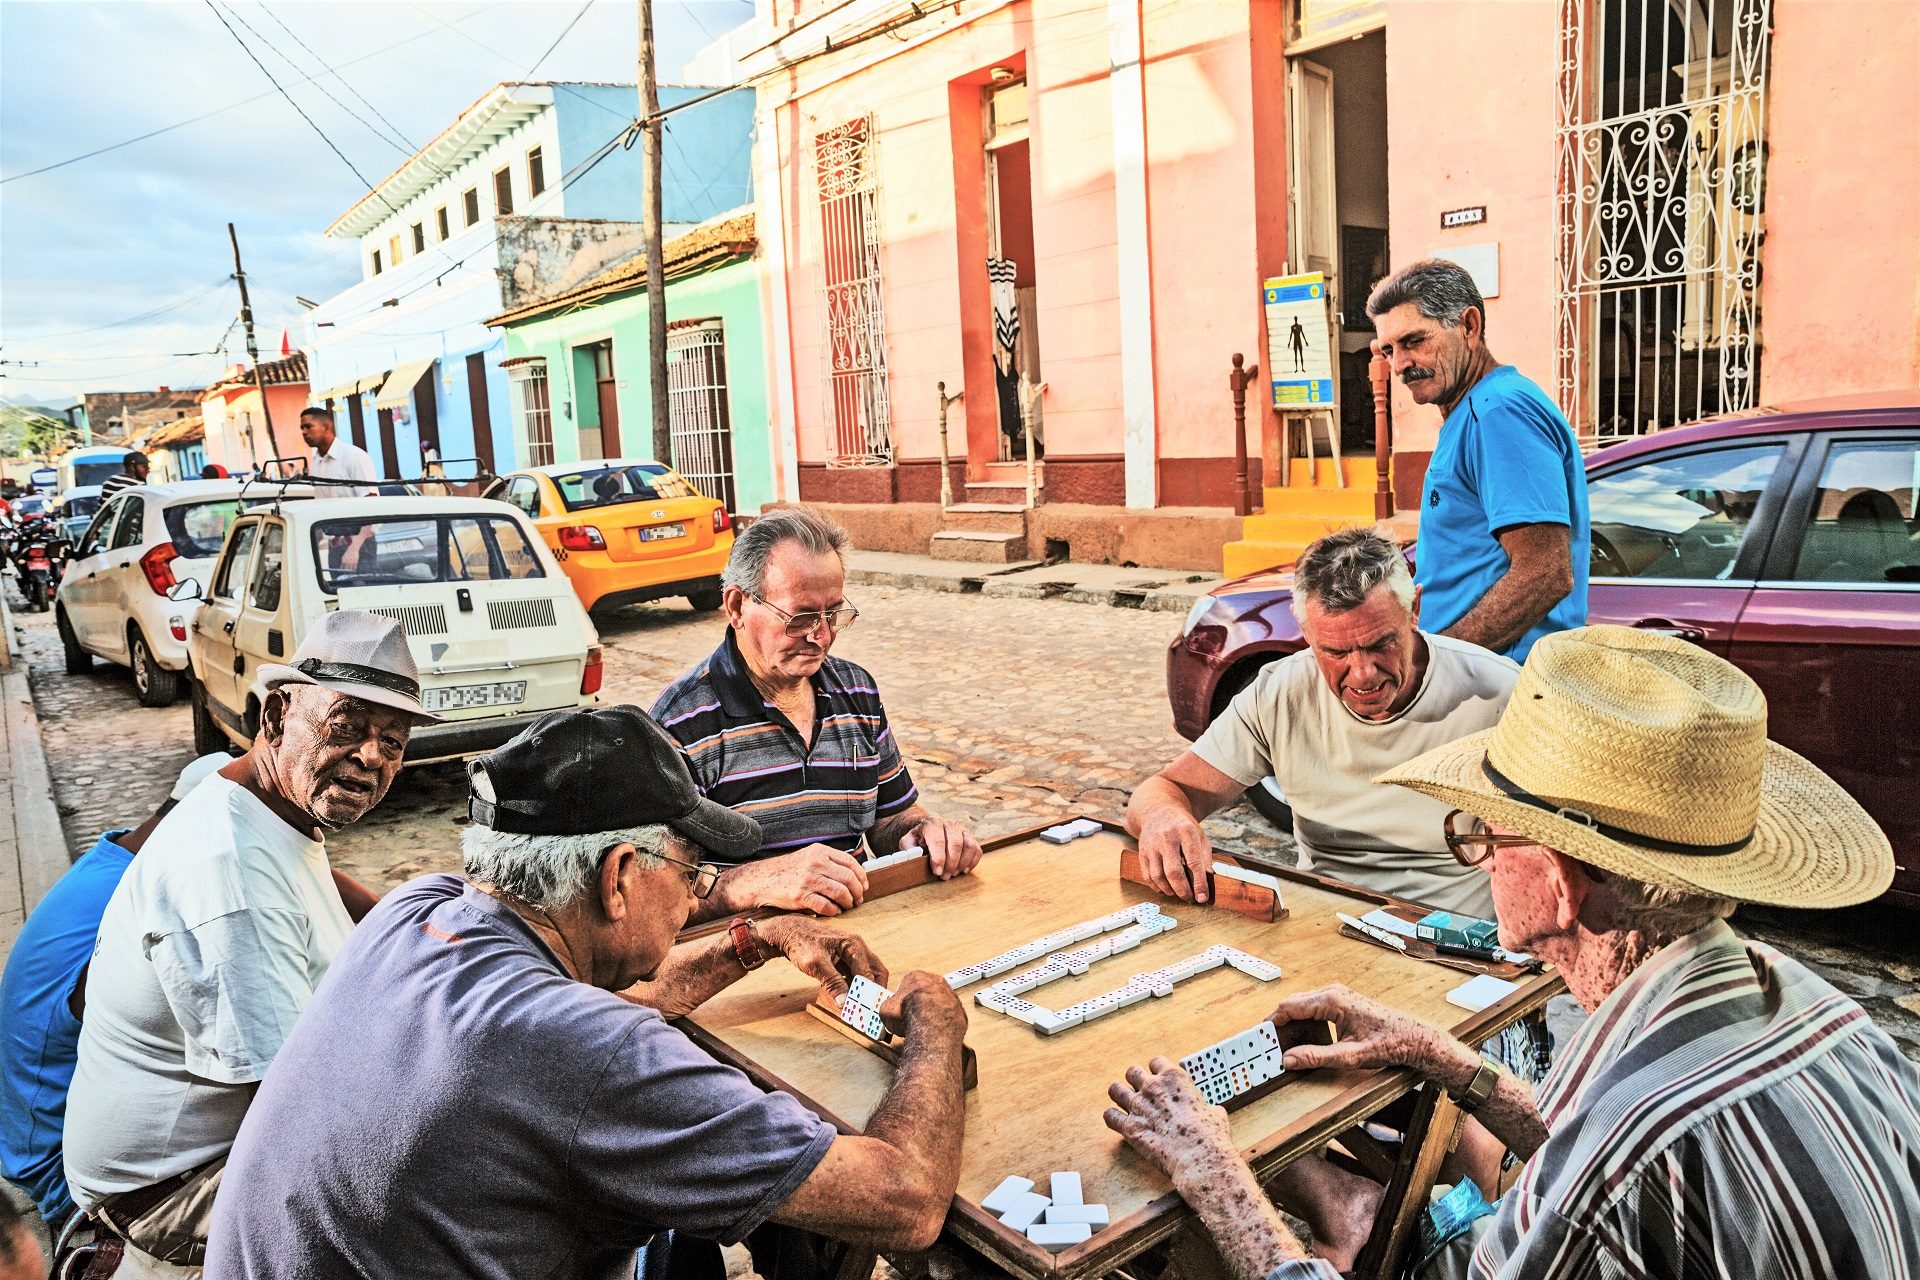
(1370, 692)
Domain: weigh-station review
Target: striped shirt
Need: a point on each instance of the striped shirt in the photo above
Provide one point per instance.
(746, 755)
(1727, 1114)
(115, 483)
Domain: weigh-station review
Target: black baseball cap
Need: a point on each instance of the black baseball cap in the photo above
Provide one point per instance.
(573, 773)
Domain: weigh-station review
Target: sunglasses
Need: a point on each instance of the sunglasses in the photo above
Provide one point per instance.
(805, 624)
(1470, 841)
(701, 876)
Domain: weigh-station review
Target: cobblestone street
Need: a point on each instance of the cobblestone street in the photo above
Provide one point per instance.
(1012, 713)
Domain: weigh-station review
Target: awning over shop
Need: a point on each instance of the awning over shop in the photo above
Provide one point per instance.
(340, 392)
(400, 383)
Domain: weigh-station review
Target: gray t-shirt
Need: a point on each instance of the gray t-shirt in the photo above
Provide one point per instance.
(453, 1103)
(1288, 723)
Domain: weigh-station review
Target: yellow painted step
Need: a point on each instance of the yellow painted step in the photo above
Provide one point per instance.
(1251, 556)
(1355, 504)
(1284, 526)
(1359, 473)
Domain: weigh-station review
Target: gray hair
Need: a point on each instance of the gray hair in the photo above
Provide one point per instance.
(1656, 910)
(747, 566)
(1338, 572)
(548, 872)
(1439, 289)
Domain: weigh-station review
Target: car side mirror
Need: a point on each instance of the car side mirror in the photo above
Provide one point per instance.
(185, 589)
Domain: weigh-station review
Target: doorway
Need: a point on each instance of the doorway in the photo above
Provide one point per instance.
(607, 398)
(1010, 271)
(1339, 102)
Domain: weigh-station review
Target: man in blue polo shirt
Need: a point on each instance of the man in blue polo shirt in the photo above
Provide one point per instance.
(1502, 556)
(41, 1002)
(775, 728)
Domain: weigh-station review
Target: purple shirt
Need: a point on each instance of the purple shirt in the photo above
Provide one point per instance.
(452, 1102)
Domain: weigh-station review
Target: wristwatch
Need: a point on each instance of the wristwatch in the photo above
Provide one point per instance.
(1478, 1089)
(746, 944)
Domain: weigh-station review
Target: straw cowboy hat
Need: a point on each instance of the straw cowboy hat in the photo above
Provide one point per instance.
(1646, 756)
(363, 655)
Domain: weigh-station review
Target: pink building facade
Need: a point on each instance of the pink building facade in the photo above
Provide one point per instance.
(1121, 178)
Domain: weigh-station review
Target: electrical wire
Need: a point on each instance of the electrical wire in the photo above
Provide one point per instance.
(163, 309)
(392, 128)
(296, 106)
(402, 147)
(574, 21)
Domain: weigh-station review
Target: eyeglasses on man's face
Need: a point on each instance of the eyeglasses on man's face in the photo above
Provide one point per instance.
(1472, 842)
(838, 618)
(701, 876)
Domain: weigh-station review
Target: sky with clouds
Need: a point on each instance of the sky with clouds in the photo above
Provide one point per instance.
(115, 269)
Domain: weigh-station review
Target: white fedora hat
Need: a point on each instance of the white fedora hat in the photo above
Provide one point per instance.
(363, 655)
(1647, 756)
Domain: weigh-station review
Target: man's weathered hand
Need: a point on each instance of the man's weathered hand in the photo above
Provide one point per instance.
(1162, 1116)
(1371, 1034)
(922, 999)
(824, 952)
(951, 848)
(818, 878)
(1176, 856)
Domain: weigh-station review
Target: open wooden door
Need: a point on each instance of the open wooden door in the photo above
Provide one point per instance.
(1314, 229)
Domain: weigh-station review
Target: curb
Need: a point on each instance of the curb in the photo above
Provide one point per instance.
(1032, 583)
(34, 844)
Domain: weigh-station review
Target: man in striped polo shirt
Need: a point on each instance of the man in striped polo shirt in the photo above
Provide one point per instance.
(777, 729)
(1723, 1113)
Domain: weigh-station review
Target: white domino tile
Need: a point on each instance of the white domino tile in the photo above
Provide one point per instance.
(1063, 1188)
(1057, 1237)
(892, 859)
(1002, 1197)
(1024, 1211)
(1093, 1215)
(865, 991)
(1237, 1064)
(1249, 877)
(1253, 966)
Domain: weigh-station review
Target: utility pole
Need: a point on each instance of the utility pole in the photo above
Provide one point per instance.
(253, 352)
(650, 233)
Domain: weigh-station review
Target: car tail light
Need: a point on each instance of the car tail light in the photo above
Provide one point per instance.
(177, 625)
(590, 678)
(1207, 639)
(581, 537)
(721, 520)
(157, 564)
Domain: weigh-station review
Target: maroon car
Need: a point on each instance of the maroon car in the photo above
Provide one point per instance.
(1788, 542)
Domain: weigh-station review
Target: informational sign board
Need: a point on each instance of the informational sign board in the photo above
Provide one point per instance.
(1299, 341)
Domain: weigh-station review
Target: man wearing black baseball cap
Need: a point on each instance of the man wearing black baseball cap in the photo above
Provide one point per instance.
(489, 1083)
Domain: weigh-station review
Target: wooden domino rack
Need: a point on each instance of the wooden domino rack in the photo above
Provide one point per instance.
(1039, 1099)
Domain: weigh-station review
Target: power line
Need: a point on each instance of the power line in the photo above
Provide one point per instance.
(154, 314)
(278, 52)
(581, 13)
(296, 106)
(391, 126)
(233, 106)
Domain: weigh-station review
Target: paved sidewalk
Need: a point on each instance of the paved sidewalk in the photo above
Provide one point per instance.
(33, 851)
(1170, 590)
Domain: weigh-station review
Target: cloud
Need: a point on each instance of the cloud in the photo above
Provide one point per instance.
(145, 226)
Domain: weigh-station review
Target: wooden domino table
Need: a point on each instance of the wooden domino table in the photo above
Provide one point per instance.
(1039, 1100)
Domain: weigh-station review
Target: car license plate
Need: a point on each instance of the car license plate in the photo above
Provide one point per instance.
(462, 696)
(655, 533)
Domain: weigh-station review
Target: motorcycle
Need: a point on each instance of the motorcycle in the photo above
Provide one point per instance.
(38, 560)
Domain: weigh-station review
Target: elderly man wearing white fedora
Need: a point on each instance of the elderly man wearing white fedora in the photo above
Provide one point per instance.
(1723, 1112)
(215, 939)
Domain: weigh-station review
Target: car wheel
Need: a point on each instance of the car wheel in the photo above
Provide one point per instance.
(704, 601)
(1266, 799)
(154, 684)
(207, 737)
(79, 661)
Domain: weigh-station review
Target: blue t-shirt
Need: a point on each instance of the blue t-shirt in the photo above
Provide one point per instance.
(451, 1102)
(1505, 457)
(41, 1040)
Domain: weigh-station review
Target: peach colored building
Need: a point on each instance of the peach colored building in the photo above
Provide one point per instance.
(1675, 209)
(240, 437)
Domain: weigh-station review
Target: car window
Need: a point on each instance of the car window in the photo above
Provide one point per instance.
(131, 529)
(1864, 527)
(264, 594)
(95, 539)
(198, 528)
(1679, 516)
(600, 486)
(396, 552)
(233, 569)
(524, 493)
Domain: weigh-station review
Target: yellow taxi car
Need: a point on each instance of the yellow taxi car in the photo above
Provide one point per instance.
(625, 529)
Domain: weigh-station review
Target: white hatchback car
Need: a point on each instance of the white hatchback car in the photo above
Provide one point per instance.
(494, 625)
(113, 600)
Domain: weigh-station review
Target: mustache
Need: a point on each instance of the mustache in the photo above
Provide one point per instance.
(1416, 375)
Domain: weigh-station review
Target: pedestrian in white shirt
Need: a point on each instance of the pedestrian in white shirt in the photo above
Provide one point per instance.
(217, 936)
(335, 459)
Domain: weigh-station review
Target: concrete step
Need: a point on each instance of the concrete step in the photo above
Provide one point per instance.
(1252, 555)
(978, 546)
(1283, 526)
(1316, 501)
(986, 517)
(1357, 470)
(1015, 473)
(981, 493)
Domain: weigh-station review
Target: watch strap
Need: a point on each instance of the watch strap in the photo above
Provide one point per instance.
(746, 943)
(1478, 1089)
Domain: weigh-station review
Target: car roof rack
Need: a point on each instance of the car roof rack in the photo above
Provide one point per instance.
(293, 470)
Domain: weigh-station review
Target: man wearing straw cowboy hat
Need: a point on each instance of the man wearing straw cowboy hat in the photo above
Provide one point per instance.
(1723, 1112)
(214, 940)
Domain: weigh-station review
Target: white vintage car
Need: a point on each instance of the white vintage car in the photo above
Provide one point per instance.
(494, 625)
